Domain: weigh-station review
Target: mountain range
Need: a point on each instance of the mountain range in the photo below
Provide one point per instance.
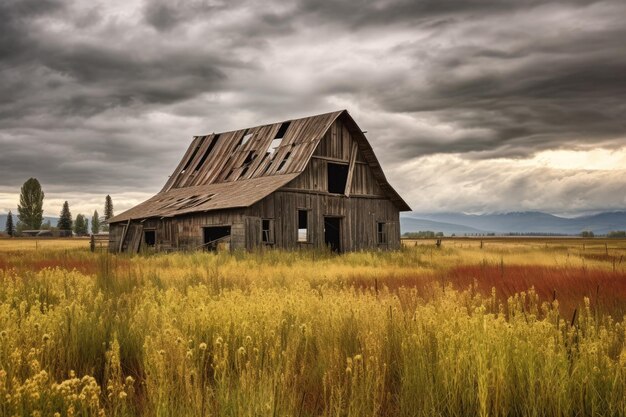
(3, 220)
(500, 223)
(516, 222)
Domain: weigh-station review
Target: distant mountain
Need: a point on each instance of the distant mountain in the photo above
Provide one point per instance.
(409, 224)
(3, 220)
(516, 222)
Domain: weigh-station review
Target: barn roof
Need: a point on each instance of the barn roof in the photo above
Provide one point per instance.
(240, 167)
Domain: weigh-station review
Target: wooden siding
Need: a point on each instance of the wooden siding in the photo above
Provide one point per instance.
(222, 181)
(358, 226)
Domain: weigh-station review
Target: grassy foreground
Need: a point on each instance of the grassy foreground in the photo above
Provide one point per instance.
(515, 328)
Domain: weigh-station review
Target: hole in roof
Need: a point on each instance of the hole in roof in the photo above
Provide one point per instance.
(207, 152)
(284, 161)
(246, 137)
(282, 131)
(251, 157)
(274, 145)
(193, 155)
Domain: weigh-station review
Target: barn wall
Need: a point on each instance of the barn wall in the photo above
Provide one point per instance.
(359, 218)
(179, 233)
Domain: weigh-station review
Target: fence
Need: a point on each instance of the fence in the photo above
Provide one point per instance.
(99, 242)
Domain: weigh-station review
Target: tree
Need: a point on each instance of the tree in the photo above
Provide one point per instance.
(65, 220)
(9, 227)
(80, 225)
(95, 223)
(587, 233)
(31, 204)
(108, 207)
(108, 210)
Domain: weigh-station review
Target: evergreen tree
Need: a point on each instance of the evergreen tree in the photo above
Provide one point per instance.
(31, 204)
(65, 220)
(80, 225)
(108, 207)
(95, 223)
(9, 228)
(108, 212)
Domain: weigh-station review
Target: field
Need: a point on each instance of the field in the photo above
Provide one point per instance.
(498, 327)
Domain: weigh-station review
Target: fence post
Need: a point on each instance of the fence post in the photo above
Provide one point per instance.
(92, 243)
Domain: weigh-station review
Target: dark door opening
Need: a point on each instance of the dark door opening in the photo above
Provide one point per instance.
(214, 235)
(332, 233)
(149, 237)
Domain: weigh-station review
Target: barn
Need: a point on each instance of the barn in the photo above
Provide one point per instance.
(302, 183)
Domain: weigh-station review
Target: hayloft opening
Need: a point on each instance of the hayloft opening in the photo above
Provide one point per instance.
(337, 178)
(213, 235)
(207, 152)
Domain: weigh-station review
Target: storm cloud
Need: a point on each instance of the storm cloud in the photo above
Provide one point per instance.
(103, 97)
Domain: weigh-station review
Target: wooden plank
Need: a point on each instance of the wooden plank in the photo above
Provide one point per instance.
(125, 230)
(351, 169)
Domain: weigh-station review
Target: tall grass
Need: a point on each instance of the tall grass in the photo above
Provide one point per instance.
(420, 332)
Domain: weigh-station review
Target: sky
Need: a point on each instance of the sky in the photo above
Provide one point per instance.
(471, 105)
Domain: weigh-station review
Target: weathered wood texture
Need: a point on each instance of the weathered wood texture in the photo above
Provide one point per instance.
(232, 179)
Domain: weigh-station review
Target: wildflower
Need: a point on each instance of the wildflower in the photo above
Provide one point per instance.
(122, 395)
(189, 355)
(130, 380)
(202, 346)
(45, 338)
(3, 334)
(179, 340)
(161, 352)
(241, 351)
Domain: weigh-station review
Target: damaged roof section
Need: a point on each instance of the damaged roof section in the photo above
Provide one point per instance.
(238, 168)
(250, 153)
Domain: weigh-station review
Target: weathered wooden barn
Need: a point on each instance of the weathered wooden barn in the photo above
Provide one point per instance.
(296, 184)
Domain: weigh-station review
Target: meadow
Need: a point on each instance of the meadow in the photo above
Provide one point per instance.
(493, 327)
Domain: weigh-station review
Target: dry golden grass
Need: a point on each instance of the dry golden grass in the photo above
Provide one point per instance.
(450, 331)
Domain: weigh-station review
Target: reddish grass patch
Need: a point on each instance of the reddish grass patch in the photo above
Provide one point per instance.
(605, 289)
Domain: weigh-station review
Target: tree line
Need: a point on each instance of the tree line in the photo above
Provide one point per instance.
(30, 214)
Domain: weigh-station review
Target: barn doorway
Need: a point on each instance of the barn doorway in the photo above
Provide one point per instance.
(149, 237)
(214, 235)
(332, 233)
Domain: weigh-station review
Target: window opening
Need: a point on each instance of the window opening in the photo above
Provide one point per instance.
(214, 235)
(267, 231)
(337, 178)
(381, 233)
(303, 225)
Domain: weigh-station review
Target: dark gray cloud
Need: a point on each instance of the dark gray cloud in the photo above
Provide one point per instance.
(103, 97)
